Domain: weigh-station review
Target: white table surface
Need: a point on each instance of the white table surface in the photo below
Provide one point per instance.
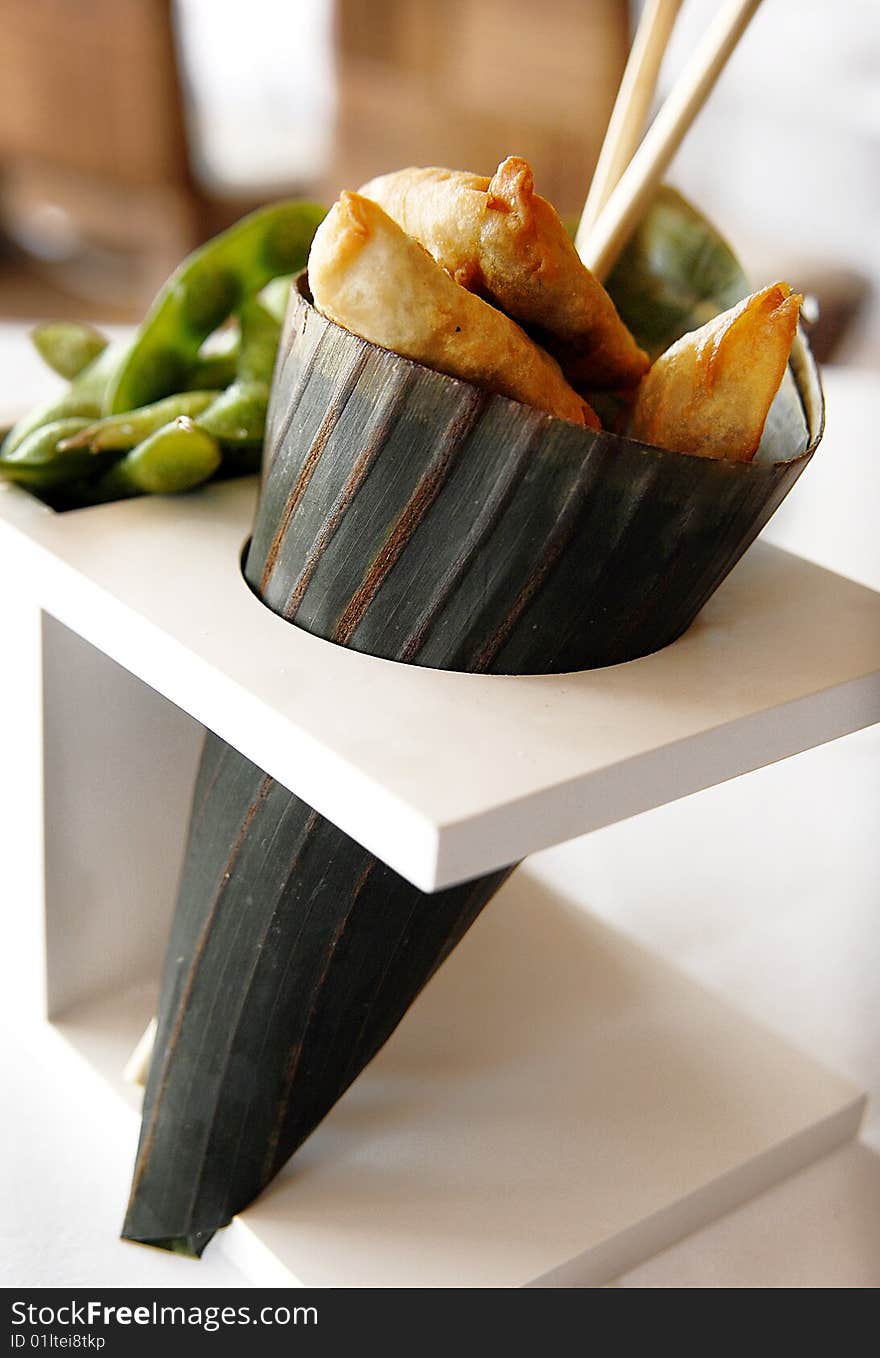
(766, 889)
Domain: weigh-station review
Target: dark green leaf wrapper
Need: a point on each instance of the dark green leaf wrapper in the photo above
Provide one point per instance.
(294, 954)
(406, 514)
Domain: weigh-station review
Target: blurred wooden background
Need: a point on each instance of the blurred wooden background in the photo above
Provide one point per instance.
(132, 129)
(94, 168)
(471, 81)
(99, 197)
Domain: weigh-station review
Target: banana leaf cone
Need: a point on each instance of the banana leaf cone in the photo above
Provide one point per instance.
(293, 956)
(408, 514)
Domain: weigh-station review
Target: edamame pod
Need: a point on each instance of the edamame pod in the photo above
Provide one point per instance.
(84, 398)
(37, 461)
(238, 416)
(175, 458)
(204, 290)
(216, 368)
(275, 296)
(68, 346)
(118, 433)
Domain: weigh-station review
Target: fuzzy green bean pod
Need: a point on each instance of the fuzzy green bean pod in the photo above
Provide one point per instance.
(175, 458)
(84, 399)
(119, 433)
(275, 296)
(68, 346)
(215, 368)
(238, 416)
(37, 461)
(207, 287)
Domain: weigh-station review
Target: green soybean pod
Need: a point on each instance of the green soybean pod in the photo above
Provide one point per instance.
(37, 461)
(175, 458)
(204, 290)
(238, 416)
(84, 398)
(119, 433)
(215, 368)
(68, 346)
(275, 296)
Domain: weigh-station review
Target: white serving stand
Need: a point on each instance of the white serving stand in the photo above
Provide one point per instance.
(559, 1104)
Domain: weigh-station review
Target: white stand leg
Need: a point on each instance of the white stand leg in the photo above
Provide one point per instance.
(120, 764)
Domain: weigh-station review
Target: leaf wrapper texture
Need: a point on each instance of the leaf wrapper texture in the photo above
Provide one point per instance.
(406, 514)
(293, 956)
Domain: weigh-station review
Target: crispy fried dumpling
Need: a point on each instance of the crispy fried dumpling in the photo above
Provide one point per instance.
(500, 239)
(710, 392)
(369, 276)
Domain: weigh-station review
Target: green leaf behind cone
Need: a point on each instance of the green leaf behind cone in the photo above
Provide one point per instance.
(676, 273)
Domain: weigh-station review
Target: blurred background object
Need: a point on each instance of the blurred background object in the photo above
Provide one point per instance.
(96, 189)
(786, 157)
(132, 129)
(468, 82)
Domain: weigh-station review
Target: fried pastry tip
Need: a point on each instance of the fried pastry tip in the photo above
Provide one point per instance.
(500, 239)
(368, 275)
(710, 393)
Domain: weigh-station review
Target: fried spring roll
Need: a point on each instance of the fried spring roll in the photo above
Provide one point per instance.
(709, 394)
(367, 275)
(502, 240)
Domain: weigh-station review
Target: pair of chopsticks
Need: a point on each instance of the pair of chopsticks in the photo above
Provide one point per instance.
(627, 173)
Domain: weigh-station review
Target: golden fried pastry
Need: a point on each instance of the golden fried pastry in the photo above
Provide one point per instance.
(710, 392)
(502, 240)
(369, 276)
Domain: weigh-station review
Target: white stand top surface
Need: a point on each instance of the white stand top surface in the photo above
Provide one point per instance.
(447, 775)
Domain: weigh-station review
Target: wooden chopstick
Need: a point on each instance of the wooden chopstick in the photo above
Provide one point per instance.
(631, 108)
(630, 197)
